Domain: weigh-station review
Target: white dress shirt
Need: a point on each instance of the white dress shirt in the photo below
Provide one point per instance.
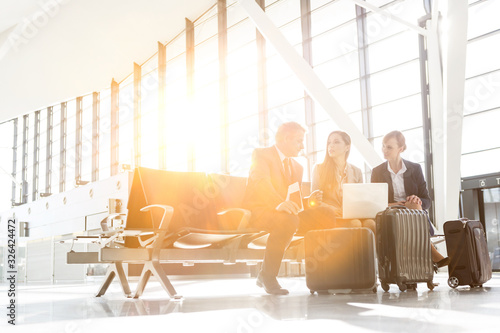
(398, 183)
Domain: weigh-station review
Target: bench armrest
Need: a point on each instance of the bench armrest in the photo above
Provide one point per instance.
(105, 221)
(161, 231)
(245, 218)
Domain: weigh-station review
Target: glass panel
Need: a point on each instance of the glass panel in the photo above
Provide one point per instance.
(393, 51)
(6, 139)
(492, 218)
(126, 122)
(105, 134)
(283, 12)
(206, 27)
(335, 43)
(86, 158)
(70, 144)
(240, 34)
(483, 18)
(242, 107)
(331, 15)
(205, 130)
(241, 58)
(478, 131)
(176, 47)
(482, 93)
(401, 114)
(400, 81)
(56, 148)
(339, 70)
(284, 91)
(235, 13)
(483, 56)
(380, 26)
(347, 95)
(149, 120)
(480, 163)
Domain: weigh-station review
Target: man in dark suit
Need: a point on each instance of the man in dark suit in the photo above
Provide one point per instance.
(271, 173)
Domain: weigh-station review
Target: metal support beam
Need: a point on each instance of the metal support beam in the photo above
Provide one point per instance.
(426, 118)
(137, 115)
(14, 162)
(454, 87)
(435, 73)
(312, 84)
(190, 86)
(310, 114)
(115, 92)
(36, 155)
(95, 135)
(24, 161)
(162, 83)
(223, 86)
(364, 76)
(78, 139)
(262, 83)
(48, 150)
(62, 142)
(375, 9)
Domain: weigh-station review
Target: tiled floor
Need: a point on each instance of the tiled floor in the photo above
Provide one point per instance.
(237, 305)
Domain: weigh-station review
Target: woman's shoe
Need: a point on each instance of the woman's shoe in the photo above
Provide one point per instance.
(443, 262)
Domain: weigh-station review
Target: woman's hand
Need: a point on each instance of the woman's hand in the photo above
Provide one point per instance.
(413, 202)
(315, 198)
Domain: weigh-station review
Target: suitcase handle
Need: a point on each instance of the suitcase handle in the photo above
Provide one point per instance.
(397, 207)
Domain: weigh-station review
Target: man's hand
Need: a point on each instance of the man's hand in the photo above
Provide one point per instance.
(315, 198)
(289, 207)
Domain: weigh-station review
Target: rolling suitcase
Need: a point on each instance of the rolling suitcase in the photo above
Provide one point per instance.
(469, 257)
(341, 259)
(403, 248)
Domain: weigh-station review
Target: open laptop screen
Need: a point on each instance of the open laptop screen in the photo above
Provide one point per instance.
(364, 200)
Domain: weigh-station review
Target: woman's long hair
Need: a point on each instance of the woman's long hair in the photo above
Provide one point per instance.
(328, 169)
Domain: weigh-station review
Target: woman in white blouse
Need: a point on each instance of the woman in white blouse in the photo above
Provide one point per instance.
(406, 181)
(335, 171)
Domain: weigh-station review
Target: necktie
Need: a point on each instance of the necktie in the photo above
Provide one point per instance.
(288, 169)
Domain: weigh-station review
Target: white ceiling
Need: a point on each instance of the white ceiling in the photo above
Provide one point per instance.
(54, 50)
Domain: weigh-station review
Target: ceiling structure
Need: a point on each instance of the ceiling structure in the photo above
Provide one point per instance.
(55, 50)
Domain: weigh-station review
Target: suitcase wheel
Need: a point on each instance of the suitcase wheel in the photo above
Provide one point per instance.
(453, 282)
(412, 286)
(385, 286)
(402, 286)
(430, 285)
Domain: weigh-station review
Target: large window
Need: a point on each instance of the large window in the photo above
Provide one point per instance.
(225, 97)
(480, 148)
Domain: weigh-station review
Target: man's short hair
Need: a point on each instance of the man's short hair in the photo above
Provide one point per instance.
(288, 128)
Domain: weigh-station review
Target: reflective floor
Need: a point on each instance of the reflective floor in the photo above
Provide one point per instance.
(237, 305)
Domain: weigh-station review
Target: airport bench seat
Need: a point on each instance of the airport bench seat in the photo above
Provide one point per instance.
(176, 217)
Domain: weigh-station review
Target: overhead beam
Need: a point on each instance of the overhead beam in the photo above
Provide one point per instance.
(312, 84)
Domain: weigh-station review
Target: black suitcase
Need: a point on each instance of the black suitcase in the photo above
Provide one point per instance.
(468, 252)
(404, 248)
(341, 259)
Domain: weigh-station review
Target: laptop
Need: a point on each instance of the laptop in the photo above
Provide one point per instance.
(364, 200)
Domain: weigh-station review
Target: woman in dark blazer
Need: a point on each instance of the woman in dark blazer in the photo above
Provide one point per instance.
(406, 181)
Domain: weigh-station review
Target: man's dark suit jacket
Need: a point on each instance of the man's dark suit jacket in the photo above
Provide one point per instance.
(413, 179)
(267, 184)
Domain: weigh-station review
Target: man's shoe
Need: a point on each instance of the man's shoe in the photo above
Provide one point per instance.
(270, 285)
